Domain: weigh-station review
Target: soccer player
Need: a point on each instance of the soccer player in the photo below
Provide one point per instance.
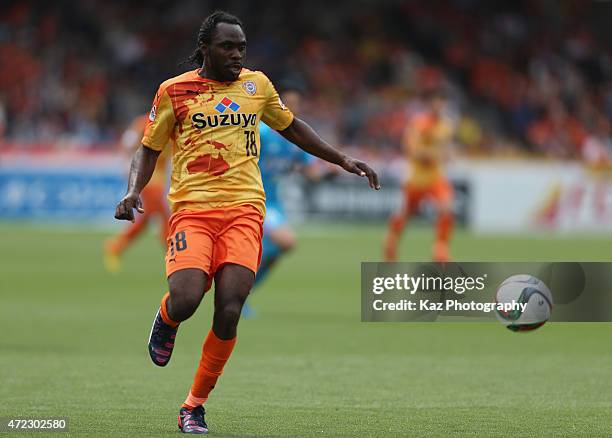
(212, 116)
(153, 199)
(278, 157)
(426, 141)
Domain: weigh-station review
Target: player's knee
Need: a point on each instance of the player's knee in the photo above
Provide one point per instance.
(229, 315)
(226, 319)
(186, 292)
(183, 305)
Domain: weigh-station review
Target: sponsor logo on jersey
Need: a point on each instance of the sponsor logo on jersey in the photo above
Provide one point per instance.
(250, 87)
(282, 105)
(201, 120)
(226, 103)
(153, 113)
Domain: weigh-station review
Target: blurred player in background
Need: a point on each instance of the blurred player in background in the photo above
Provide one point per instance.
(154, 199)
(426, 144)
(212, 116)
(278, 157)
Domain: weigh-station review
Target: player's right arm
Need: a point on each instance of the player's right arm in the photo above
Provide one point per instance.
(156, 136)
(141, 170)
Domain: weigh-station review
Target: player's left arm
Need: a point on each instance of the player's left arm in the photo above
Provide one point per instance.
(277, 116)
(301, 134)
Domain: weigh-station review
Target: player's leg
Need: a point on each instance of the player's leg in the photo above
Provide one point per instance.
(397, 223)
(443, 195)
(186, 289)
(237, 255)
(188, 260)
(232, 286)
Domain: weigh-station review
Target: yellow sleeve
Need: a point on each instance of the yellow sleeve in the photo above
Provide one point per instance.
(276, 115)
(160, 123)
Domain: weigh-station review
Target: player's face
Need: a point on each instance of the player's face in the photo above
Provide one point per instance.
(226, 53)
(292, 99)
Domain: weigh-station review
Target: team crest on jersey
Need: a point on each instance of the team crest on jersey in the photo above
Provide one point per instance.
(153, 113)
(250, 87)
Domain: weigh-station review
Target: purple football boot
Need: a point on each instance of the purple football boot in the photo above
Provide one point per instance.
(161, 341)
(192, 421)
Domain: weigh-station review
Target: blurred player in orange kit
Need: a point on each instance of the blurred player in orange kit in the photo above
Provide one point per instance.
(153, 199)
(212, 116)
(425, 143)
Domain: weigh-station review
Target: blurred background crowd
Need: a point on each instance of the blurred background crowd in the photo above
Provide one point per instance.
(527, 78)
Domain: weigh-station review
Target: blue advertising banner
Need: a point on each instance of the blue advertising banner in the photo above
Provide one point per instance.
(59, 194)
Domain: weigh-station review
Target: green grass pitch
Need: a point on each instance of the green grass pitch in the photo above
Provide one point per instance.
(73, 343)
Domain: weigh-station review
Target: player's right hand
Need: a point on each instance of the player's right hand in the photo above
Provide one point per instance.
(125, 207)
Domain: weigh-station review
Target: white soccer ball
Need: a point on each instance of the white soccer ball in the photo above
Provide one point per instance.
(532, 294)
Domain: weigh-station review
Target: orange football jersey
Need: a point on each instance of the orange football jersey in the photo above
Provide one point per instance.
(214, 130)
(431, 135)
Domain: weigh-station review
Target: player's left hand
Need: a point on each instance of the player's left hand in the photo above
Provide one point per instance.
(362, 169)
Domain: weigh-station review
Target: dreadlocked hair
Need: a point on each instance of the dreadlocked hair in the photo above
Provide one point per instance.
(206, 32)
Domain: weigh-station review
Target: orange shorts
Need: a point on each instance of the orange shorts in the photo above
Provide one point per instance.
(208, 239)
(440, 191)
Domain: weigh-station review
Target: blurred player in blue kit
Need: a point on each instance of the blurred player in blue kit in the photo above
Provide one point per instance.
(279, 157)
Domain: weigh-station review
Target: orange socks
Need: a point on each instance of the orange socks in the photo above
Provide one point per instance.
(164, 312)
(443, 231)
(394, 232)
(444, 227)
(215, 353)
